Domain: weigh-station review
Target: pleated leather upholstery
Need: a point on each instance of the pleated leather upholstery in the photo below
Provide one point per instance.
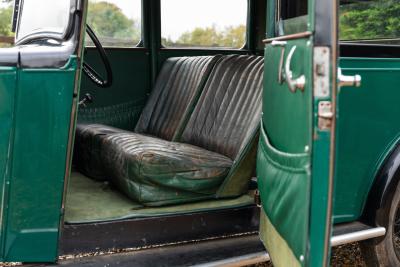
(229, 110)
(88, 149)
(154, 171)
(175, 93)
(216, 142)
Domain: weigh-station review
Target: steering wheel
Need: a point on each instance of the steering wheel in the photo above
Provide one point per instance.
(90, 72)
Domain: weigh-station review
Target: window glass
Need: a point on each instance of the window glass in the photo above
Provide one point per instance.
(377, 20)
(34, 17)
(117, 23)
(205, 23)
(6, 36)
(292, 16)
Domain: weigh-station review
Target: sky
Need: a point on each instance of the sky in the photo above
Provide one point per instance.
(180, 16)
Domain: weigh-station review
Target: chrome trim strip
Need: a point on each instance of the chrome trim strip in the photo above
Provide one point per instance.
(288, 37)
(244, 260)
(357, 236)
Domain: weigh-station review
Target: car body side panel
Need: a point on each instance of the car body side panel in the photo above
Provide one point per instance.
(41, 121)
(8, 77)
(367, 130)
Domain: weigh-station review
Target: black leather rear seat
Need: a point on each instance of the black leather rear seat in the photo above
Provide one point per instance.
(215, 153)
(175, 93)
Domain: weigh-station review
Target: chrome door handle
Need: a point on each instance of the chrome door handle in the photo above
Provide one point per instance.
(346, 80)
(293, 83)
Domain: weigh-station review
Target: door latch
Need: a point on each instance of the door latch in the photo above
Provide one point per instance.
(325, 115)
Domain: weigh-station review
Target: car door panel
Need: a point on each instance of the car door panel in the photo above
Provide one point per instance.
(39, 81)
(294, 164)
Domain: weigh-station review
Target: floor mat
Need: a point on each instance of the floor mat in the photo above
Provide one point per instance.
(92, 201)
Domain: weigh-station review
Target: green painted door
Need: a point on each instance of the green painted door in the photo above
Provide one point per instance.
(39, 85)
(294, 166)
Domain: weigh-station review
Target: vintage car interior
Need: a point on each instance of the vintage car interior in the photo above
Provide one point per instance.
(183, 143)
(163, 146)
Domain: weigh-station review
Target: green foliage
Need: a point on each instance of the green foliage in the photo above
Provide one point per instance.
(111, 25)
(370, 20)
(211, 37)
(5, 21)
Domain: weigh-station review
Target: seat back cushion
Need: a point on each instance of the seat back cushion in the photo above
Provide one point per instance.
(177, 88)
(226, 119)
(228, 112)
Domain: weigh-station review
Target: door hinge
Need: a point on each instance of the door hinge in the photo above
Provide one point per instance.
(325, 115)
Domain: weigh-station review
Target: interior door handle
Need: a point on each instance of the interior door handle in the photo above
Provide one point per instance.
(293, 83)
(345, 80)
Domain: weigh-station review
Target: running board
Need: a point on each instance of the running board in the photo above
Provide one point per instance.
(345, 233)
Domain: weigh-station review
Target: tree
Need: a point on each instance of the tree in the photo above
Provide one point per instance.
(108, 21)
(231, 36)
(371, 20)
(5, 21)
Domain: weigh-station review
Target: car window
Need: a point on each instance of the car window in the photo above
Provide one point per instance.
(117, 23)
(206, 23)
(34, 18)
(291, 16)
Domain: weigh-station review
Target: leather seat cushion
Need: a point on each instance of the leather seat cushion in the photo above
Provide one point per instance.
(88, 151)
(154, 171)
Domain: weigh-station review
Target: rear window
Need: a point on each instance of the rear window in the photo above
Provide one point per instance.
(204, 24)
(370, 21)
(117, 23)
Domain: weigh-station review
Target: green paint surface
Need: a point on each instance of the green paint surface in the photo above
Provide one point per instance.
(367, 129)
(8, 77)
(287, 116)
(38, 107)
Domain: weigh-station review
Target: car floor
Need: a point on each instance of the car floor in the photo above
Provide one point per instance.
(92, 201)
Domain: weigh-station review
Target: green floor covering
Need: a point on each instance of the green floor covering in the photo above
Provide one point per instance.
(91, 201)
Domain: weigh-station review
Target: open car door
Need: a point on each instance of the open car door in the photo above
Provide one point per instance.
(39, 82)
(295, 158)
